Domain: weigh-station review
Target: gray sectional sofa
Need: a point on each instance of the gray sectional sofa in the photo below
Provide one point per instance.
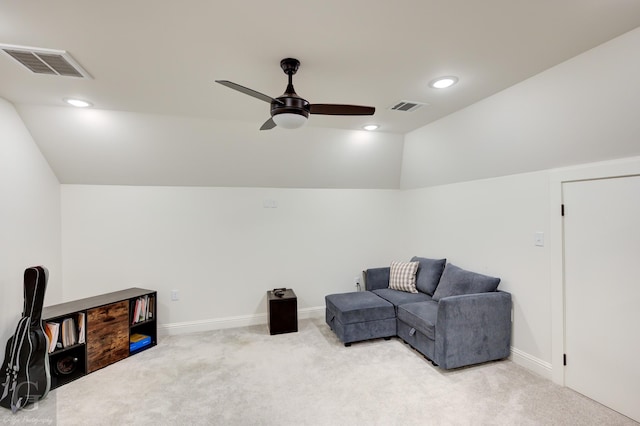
(452, 316)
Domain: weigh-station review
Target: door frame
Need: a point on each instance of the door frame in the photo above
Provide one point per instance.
(604, 170)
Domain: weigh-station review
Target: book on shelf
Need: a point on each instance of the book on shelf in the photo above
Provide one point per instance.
(81, 328)
(52, 330)
(143, 309)
(143, 306)
(151, 307)
(137, 341)
(69, 333)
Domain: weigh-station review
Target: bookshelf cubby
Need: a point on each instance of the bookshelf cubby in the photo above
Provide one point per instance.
(109, 322)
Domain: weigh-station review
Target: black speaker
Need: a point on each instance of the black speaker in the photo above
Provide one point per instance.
(66, 365)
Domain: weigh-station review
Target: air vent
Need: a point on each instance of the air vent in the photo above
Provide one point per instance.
(407, 106)
(45, 61)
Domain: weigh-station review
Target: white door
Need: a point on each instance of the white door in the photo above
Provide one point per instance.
(602, 291)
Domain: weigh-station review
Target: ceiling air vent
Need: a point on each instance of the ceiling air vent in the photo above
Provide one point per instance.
(407, 106)
(45, 61)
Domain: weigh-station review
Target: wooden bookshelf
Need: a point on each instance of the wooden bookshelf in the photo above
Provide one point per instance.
(110, 320)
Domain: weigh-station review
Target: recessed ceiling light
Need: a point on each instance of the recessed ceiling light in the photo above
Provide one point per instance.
(77, 102)
(443, 82)
(371, 127)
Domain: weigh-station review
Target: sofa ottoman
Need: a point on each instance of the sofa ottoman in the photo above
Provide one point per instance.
(360, 315)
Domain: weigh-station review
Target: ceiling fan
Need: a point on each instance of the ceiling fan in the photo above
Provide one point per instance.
(289, 110)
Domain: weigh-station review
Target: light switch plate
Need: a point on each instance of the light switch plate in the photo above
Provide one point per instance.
(539, 239)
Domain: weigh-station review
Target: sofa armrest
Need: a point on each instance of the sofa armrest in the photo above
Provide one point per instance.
(376, 278)
(473, 328)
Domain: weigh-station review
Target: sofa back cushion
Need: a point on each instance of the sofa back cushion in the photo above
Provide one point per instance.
(375, 278)
(429, 273)
(402, 276)
(457, 281)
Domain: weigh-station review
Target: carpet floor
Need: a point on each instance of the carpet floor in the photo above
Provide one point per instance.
(245, 376)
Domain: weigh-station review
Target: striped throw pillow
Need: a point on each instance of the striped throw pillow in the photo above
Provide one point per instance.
(403, 276)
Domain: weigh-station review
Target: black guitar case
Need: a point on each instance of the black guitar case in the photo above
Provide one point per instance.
(25, 378)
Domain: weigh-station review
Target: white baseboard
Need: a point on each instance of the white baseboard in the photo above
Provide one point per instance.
(229, 322)
(532, 363)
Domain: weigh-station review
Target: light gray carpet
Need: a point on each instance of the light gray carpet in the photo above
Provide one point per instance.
(244, 376)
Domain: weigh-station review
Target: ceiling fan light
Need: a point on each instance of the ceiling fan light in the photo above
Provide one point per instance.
(289, 121)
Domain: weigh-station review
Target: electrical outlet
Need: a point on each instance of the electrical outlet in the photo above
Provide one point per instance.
(174, 295)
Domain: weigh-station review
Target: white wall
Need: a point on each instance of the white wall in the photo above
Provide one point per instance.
(29, 218)
(488, 226)
(220, 247)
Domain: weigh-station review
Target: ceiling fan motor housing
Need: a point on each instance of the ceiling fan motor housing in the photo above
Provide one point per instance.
(290, 105)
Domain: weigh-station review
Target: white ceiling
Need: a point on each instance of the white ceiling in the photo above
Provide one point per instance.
(155, 62)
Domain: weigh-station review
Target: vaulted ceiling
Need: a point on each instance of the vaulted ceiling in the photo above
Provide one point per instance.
(158, 118)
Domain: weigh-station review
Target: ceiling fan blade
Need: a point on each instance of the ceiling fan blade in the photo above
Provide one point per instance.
(248, 91)
(268, 125)
(337, 109)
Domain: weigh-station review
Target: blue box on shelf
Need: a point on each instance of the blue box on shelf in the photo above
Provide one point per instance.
(138, 341)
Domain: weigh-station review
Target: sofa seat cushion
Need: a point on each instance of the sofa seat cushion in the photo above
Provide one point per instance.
(400, 297)
(422, 316)
(358, 306)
